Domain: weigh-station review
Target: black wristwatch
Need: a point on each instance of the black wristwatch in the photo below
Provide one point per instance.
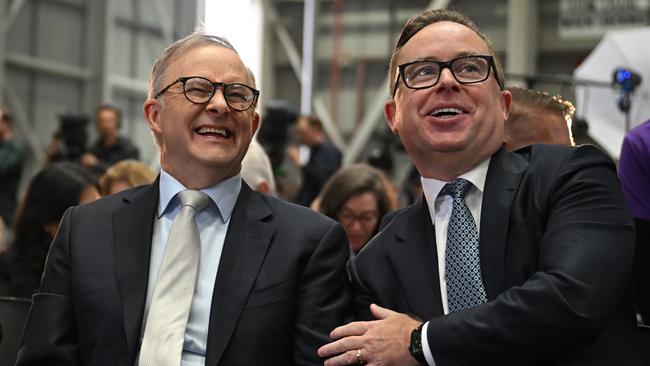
(415, 349)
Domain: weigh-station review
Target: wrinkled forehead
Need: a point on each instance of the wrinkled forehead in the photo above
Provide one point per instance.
(443, 41)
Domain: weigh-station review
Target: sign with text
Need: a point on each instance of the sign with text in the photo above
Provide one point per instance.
(592, 18)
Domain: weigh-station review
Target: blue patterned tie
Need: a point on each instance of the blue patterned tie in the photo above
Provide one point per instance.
(462, 260)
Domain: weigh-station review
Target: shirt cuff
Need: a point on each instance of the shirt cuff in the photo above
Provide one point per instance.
(425, 346)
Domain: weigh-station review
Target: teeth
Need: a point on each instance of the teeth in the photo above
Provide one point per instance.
(446, 112)
(204, 130)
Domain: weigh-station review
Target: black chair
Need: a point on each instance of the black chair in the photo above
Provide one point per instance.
(643, 335)
(13, 312)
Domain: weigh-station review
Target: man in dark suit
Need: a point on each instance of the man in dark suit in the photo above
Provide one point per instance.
(324, 158)
(267, 290)
(509, 258)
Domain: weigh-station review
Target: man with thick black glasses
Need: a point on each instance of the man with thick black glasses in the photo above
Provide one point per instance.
(509, 258)
(197, 268)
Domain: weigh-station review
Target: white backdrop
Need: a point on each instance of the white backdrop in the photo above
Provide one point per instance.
(241, 22)
(622, 48)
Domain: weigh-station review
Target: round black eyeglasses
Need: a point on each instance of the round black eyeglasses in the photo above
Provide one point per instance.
(200, 90)
(424, 74)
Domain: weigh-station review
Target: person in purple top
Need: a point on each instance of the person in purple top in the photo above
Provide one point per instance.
(634, 173)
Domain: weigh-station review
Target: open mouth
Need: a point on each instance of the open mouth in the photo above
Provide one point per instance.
(447, 112)
(212, 131)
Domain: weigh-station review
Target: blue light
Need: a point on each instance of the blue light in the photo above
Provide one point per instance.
(623, 75)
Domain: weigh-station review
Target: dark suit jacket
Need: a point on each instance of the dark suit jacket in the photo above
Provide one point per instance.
(280, 289)
(556, 249)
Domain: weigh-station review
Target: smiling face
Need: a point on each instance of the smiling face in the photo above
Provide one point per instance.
(202, 144)
(451, 127)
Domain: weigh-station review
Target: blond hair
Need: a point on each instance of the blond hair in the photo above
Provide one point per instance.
(132, 172)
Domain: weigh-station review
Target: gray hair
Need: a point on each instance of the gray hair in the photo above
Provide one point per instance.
(177, 48)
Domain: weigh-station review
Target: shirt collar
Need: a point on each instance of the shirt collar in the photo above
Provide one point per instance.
(224, 194)
(432, 187)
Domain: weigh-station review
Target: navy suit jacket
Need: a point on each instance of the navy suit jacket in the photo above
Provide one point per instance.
(556, 251)
(280, 289)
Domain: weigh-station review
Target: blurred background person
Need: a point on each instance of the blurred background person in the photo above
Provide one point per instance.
(51, 191)
(538, 118)
(110, 147)
(273, 133)
(634, 173)
(256, 169)
(274, 136)
(124, 175)
(357, 196)
(11, 165)
(322, 161)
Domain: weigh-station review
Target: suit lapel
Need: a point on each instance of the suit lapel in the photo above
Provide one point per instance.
(416, 261)
(133, 229)
(503, 177)
(245, 247)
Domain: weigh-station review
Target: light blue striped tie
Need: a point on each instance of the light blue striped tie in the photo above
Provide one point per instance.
(462, 260)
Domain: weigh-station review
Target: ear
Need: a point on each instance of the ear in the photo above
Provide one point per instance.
(151, 109)
(389, 114)
(506, 102)
(255, 123)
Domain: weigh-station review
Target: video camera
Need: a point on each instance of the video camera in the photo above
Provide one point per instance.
(626, 81)
(73, 135)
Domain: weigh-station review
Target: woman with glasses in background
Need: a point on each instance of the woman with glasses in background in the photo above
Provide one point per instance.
(357, 196)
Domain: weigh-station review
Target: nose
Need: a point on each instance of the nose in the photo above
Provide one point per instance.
(356, 227)
(447, 79)
(217, 104)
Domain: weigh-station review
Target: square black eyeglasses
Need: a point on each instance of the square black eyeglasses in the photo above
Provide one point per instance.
(424, 74)
(200, 90)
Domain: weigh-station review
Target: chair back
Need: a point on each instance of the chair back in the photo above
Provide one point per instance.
(13, 312)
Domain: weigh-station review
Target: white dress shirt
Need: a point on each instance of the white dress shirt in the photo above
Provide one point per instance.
(213, 224)
(440, 211)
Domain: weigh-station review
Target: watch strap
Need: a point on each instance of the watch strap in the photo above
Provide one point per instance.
(415, 349)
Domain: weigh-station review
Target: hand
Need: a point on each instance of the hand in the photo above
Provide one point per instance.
(384, 341)
(88, 160)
